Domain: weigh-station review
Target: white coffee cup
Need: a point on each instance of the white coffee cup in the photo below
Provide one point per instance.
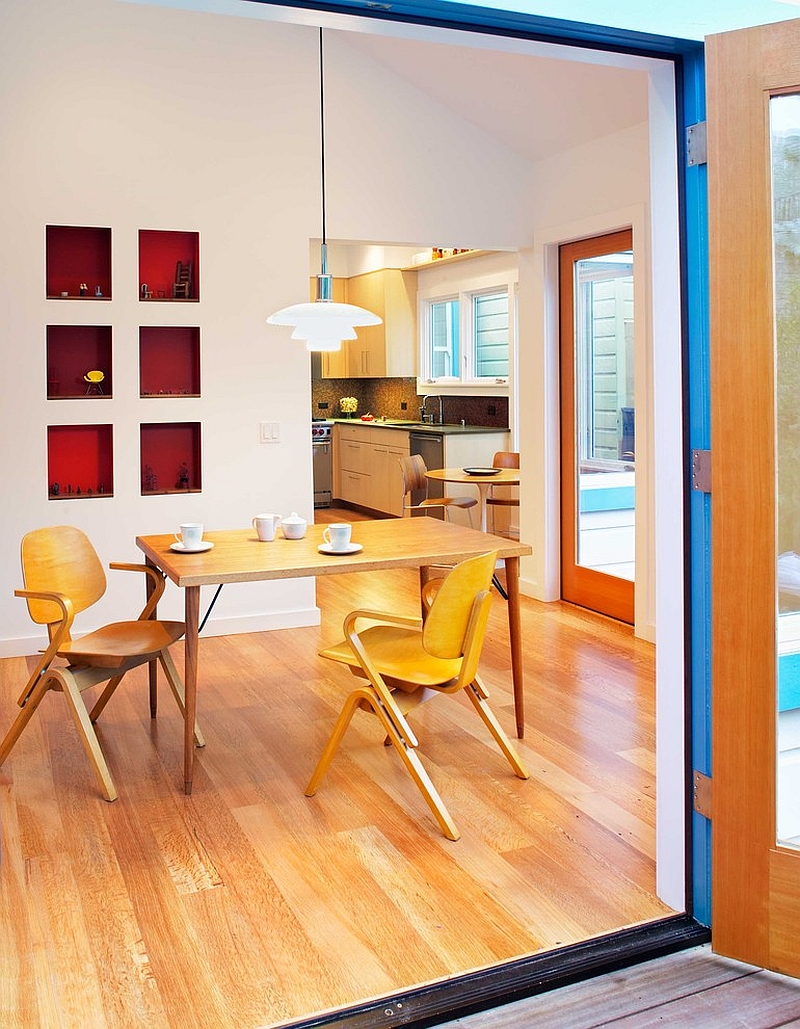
(265, 526)
(190, 535)
(337, 535)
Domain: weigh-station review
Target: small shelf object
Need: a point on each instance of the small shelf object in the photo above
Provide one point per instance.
(169, 361)
(77, 263)
(169, 265)
(79, 362)
(170, 457)
(80, 462)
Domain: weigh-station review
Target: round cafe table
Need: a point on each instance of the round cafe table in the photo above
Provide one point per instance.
(499, 477)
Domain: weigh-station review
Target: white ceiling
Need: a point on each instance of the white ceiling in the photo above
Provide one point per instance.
(536, 106)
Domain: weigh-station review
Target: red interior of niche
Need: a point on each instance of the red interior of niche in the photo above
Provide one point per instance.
(159, 252)
(72, 351)
(78, 254)
(169, 360)
(167, 448)
(80, 458)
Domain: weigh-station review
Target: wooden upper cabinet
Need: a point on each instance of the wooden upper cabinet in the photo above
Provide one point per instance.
(388, 349)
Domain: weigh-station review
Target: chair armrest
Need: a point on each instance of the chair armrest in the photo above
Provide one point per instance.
(157, 583)
(57, 638)
(380, 616)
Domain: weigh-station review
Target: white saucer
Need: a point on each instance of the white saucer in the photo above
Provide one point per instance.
(351, 548)
(182, 549)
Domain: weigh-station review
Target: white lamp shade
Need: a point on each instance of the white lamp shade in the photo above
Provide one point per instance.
(323, 313)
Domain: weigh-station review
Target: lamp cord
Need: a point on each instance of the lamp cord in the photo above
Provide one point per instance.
(322, 132)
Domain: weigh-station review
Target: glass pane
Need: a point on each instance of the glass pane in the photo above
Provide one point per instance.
(785, 133)
(604, 412)
(444, 339)
(490, 314)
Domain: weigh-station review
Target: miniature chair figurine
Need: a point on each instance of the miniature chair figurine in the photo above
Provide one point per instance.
(63, 576)
(94, 378)
(182, 286)
(406, 663)
(414, 469)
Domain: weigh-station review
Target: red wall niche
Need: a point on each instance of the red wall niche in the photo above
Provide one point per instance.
(77, 254)
(80, 461)
(170, 457)
(169, 360)
(72, 351)
(159, 252)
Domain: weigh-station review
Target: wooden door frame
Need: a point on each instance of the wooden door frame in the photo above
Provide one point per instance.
(607, 594)
(751, 875)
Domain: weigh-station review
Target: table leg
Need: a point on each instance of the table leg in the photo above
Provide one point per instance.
(483, 490)
(515, 637)
(192, 618)
(152, 666)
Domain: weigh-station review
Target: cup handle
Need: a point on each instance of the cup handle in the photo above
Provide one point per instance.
(178, 537)
(254, 525)
(326, 536)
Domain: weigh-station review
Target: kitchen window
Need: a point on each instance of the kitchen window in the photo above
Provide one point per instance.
(465, 337)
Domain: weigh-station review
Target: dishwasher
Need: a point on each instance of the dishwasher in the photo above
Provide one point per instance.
(430, 447)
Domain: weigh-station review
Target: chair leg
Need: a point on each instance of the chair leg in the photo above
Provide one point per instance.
(26, 713)
(339, 729)
(407, 753)
(104, 697)
(477, 694)
(176, 685)
(83, 724)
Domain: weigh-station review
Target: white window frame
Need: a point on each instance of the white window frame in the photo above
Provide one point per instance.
(464, 289)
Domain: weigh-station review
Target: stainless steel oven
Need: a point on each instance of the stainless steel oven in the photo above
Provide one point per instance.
(322, 459)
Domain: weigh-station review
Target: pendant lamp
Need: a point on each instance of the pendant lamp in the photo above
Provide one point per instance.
(323, 324)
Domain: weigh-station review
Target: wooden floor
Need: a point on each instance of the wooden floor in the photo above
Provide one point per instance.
(248, 904)
(691, 990)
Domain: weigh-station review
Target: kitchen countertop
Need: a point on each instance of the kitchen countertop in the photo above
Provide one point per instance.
(431, 430)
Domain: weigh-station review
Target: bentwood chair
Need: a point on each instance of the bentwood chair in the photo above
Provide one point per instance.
(502, 496)
(63, 576)
(405, 662)
(414, 478)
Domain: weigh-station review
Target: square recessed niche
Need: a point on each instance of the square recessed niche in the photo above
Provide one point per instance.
(77, 263)
(170, 457)
(80, 461)
(169, 361)
(169, 265)
(79, 362)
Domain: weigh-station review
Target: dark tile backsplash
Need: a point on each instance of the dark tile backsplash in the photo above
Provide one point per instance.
(385, 398)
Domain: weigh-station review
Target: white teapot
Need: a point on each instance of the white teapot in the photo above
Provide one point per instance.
(294, 527)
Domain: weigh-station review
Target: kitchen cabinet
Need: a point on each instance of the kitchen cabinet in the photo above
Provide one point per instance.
(367, 466)
(382, 350)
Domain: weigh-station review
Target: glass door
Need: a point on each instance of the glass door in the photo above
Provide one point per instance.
(598, 424)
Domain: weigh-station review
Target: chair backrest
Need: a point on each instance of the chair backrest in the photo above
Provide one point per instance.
(447, 625)
(505, 459)
(183, 272)
(60, 559)
(414, 469)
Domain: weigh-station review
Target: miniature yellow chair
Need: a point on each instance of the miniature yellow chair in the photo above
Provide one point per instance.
(94, 378)
(63, 576)
(406, 663)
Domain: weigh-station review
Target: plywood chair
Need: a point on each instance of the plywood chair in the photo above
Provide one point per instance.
(504, 498)
(63, 576)
(414, 469)
(182, 287)
(405, 662)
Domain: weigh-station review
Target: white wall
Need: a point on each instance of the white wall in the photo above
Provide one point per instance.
(135, 117)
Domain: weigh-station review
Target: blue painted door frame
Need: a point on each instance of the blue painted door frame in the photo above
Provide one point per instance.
(687, 56)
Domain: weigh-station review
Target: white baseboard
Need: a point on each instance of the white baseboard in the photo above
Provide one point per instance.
(25, 645)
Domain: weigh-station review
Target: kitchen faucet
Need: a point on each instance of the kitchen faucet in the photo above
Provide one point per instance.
(423, 414)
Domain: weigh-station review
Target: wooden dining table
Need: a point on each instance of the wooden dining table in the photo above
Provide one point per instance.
(483, 479)
(238, 555)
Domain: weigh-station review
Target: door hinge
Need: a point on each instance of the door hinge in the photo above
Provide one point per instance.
(701, 470)
(701, 793)
(696, 144)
